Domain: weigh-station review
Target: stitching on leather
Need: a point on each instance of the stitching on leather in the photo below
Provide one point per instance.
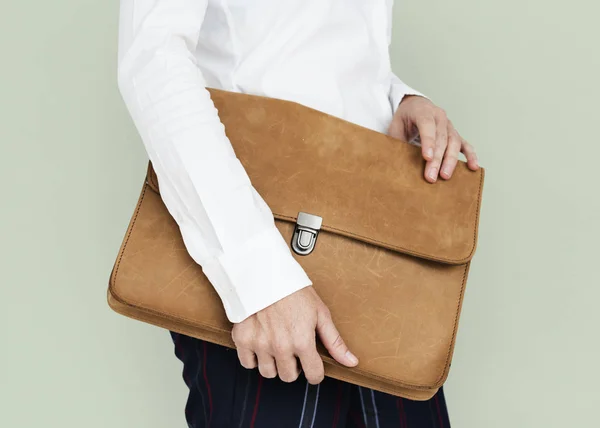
(137, 211)
(113, 281)
(358, 371)
(168, 317)
(387, 389)
(216, 329)
(444, 373)
(190, 332)
(455, 329)
(404, 250)
(412, 252)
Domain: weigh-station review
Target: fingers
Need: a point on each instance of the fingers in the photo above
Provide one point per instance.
(448, 145)
(264, 354)
(266, 365)
(452, 151)
(247, 358)
(282, 362)
(275, 338)
(287, 368)
(432, 168)
(396, 129)
(470, 154)
(427, 132)
(440, 143)
(311, 361)
(275, 355)
(287, 365)
(333, 341)
(312, 365)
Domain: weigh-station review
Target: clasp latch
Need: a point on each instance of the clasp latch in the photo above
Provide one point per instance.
(305, 233)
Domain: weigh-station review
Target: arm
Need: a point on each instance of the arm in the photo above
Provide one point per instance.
(416, 118)
(399, 90)
(227, 227)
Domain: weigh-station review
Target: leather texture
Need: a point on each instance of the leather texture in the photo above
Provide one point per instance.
(391, 260)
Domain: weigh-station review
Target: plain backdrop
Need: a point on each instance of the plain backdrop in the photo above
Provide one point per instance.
(519, 78)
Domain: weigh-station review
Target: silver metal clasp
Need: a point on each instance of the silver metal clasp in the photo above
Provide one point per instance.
(305, 233)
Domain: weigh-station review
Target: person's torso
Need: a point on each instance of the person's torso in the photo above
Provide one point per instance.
(331, 55)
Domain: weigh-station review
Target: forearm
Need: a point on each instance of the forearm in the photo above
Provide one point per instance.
(226, 226)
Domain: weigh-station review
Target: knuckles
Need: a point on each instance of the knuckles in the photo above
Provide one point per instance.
(278, 347)
(282, 348)
(261, 344)
(242, 338)
(304, 344)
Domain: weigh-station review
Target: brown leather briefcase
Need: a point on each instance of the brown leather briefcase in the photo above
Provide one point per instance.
(390, 258)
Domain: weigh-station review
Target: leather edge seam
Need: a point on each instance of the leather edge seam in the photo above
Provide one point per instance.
(134, 307)
(150, 178)
(150, 181)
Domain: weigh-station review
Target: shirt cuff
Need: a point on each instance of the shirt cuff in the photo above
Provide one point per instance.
(255, 275)
(398, 90)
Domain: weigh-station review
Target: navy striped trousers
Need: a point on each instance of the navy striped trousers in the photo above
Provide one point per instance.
(223, 394)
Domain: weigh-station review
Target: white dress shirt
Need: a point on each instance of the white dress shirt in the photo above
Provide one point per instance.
(331, 55)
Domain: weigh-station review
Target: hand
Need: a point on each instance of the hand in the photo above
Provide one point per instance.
(440, 142)
(285, 330)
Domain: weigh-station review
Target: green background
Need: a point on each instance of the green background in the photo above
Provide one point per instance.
(518, 78)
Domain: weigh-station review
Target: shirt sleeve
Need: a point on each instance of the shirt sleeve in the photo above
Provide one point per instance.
(398, 89)
(226, 226)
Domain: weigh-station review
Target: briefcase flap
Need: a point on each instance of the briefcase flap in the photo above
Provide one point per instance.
(365, 185)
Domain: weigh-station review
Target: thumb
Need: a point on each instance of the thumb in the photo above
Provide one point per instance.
(333, 341)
